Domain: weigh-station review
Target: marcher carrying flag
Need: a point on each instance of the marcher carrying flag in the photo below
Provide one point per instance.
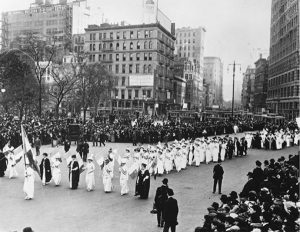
(31, 158)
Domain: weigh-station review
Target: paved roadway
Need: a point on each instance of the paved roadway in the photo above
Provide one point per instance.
(60, 209)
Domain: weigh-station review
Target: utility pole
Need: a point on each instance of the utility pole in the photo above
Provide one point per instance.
(233, 79)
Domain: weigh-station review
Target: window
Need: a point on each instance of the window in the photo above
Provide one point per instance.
(124, 57)
(123, 68)
(104, 56)
(94, 47)
(130, 68)
(111, 35)
(124, 46)
(104, 35)
(137, 68)
(129, 94)
(117, 68)
(118, 35)
(123, 81)
(136, 93)
(104, 45)
(138, 35)
(146, 34)
(117, 57)
(110, 57)
(150, 45)
(150, 33)
(100, 36)
(117, 46)
(145, 45)
(145, 69)
(100, 46)
(131, 34)
(124, 34)
(144, 93)
(131, 57)
(149, 68)
(138, 56)
(145, 56)
(138, 45)
(148, 93)
(131, 46)
(110, 68)
(91, 47)
(111, 46)
(122, 94)
(150, 56)
(116, 92)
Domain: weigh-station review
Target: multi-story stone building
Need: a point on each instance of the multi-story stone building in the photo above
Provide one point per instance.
(260, 85)
(284, 64)
(142, 57)
(213, 77)
(248, 89)
(53, 20)
(190, 47)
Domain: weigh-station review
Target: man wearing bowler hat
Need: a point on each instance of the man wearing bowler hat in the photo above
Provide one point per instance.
(160, 198)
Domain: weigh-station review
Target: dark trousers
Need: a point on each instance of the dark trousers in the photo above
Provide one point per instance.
(102, 142)
(160, 220)
(167, 226)
(95, 142)
(84, 156)
(219, 181)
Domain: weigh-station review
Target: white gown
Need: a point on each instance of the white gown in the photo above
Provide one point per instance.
(197, 155)
(12, 166)
(107, 175)
(124, 180)
(215, 152)
(160, 165)
(202, 151)
(191, 154)
(223, 151)
(28, 187)
(90, 176)
(56, 173)
(208, 156)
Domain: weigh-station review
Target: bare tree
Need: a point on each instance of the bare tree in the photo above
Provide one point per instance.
(65, 80)
(42, 53)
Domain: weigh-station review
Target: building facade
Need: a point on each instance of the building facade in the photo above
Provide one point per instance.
(248, 89)
(190, 47)
(142, 58)
(52, 20)
(213, 77)
(260, 85)
(284, 65)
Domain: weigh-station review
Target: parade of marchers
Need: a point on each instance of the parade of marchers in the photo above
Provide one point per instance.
(173, 147)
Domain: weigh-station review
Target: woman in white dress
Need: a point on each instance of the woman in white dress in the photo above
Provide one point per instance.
(12, 165)
(223, 150)
(288, 140)
(90, 174)
(197, 154)
(56, 173)
(202, 151)
(215, 151)
(168, 164)
(177, 159)
(107, 175)
(28, 187)
(160, 163)
(208, 154)
(124, 177)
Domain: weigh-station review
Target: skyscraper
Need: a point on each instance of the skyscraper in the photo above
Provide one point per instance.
(190, 47)
(284, 64)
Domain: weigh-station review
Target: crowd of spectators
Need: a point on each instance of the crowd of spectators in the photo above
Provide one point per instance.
(141, 130)
(269, 201)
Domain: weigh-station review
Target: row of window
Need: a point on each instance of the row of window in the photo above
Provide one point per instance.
(286, 78)
(132, 68)
(185, 41)
(110, 46)
(122, 57)
(132, 94)
(185, 34)
(290, 91)
(122, 35)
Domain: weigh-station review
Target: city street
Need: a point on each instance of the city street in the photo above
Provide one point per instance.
(62, 209)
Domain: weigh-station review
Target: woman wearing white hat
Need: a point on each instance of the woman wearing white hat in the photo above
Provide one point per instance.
(90, 174)
(107, 175)
(123, 177)
(56, 173)
(28, 187)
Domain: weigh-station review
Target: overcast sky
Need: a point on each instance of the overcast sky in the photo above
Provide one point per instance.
(235, 29)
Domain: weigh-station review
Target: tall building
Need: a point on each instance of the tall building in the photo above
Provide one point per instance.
(190, 47)
(213, 77)
(284, 64)
(52, 19)
(260, 85)
(142, 58)
(248, 89)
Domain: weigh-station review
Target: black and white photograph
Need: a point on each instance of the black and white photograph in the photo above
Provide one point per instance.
(149, 115)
